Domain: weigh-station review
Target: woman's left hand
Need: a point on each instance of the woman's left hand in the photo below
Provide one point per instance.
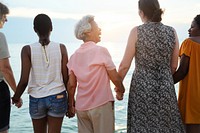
(18, 103)
(71, 112)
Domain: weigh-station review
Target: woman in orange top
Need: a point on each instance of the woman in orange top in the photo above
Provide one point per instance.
(188, 74)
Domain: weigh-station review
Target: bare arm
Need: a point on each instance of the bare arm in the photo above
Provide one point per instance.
(64, 65)
(174, 60)
(7, 72)
(72, 83)
(183, 69)
(129, 54)
(116, 79)
(26, 66)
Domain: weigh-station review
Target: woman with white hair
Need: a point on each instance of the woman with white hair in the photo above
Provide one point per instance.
(92, 68)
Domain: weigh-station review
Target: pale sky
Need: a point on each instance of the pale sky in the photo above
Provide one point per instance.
(110, 14)
(179, 10)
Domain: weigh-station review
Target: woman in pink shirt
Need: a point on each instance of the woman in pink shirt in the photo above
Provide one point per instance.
(92, 68)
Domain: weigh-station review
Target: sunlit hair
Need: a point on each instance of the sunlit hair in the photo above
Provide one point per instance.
(197, 20)
(3, 10)
(151, 9)
(83, 26)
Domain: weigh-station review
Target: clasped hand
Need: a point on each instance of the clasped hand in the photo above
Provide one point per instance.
(17, 103)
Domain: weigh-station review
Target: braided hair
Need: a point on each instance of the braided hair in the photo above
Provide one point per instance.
(42, 26)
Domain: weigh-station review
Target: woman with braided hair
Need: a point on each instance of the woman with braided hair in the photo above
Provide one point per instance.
(45, 72)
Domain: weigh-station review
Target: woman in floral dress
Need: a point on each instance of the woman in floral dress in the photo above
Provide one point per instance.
(152, 104)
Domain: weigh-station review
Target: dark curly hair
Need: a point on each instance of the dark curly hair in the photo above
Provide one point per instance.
(197, 20)
(151, 9)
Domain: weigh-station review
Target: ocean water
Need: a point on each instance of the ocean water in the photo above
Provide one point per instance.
(20, 120)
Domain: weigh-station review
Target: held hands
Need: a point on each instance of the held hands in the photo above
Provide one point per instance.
(119, 94)
(17, 102)
(71, 111)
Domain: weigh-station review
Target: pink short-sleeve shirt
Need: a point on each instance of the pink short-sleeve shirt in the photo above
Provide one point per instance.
(90, 64)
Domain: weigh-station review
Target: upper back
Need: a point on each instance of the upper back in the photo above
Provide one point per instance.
(46, 59)
(46, 74)
(155, 44)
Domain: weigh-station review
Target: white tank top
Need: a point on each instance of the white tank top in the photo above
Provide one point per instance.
(45, 75)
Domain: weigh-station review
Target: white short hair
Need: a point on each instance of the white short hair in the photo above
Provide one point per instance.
(83, 26)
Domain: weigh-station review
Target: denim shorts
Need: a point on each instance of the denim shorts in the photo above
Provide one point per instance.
(4, 106)
(54, 105)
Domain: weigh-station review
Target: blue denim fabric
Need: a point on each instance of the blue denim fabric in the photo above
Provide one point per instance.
(54, 105)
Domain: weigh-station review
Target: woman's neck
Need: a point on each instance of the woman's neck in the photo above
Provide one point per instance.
(146, 20)
(44, 41)
(195, 39)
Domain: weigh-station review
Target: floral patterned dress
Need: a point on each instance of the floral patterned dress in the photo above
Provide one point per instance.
(152, 105)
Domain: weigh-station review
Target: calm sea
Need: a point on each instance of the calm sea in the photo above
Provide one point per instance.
(20, 119)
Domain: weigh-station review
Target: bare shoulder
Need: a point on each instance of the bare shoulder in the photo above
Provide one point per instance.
(134, 30)
(63, 48)
(133, 33)
(26, 52)
(62, 45)
(26, 49)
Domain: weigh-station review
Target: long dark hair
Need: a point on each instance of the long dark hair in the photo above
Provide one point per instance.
(151, 9)
(42, 26)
